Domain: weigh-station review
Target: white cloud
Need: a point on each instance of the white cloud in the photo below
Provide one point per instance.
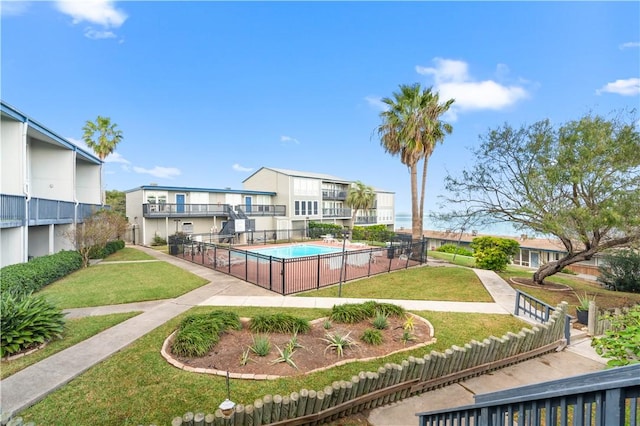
(287, 139)
(159, 172)
(14, 8)
(238, 168)
(453, 81)
(627, 87)
(629, 45)
(114, 157)
(97, 35)
(376, 102)
(100, 12)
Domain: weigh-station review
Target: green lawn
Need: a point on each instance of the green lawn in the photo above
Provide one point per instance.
(109, 284)
(128, 253)
(137, 386)
(605, 299)
(459, 260)
(76, 330)
(423, 283)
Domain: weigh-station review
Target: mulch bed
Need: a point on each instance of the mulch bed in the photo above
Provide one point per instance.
(227, 353)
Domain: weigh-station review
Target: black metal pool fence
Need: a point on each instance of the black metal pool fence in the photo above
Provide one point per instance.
(294, 275)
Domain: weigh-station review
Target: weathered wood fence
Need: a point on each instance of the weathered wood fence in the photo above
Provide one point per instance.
(391, 382)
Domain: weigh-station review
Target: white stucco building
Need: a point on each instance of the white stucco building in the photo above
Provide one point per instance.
(47, 184)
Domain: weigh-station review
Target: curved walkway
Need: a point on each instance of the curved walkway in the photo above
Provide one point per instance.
(18, 391)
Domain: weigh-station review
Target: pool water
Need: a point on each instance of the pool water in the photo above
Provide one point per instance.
(289, 252)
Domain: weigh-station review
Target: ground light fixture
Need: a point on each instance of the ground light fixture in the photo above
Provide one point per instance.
(227, 405)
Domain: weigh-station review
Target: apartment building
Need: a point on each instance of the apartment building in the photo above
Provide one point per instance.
(155, 210)
(318, 197)
(47, 185)
(275, 200)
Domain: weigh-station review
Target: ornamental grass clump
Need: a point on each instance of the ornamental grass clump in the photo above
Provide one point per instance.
(351, 313)
(261, 345)
(279, 323)
(381, 321)
(372, 337)
(197, 334)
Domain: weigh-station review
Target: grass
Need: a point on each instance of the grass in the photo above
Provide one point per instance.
(118, 391)
(109, 284)
(128, 254)
(423, 283)
(605, 299)
(76, 330)
(459, 260)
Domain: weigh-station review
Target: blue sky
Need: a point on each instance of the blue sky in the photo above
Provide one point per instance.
(208, 92)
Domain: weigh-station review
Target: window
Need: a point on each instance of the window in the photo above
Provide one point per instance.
(297, 208)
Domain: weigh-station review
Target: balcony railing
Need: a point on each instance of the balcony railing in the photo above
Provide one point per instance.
(210, 210)
(262, 209)
(366, 220)
(345, 213)
(12, 211)
(41, 211)
(328, 194)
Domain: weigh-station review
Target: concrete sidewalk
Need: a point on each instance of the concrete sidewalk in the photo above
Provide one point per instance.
(18, 391)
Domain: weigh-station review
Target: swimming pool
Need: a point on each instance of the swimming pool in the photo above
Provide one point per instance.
(289, 252)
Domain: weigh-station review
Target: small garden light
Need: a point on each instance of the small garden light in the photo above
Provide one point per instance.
(227, 405)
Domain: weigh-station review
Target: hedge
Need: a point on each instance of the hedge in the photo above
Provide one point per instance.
(25, 278)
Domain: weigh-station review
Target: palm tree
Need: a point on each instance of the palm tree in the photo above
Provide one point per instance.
(411, 128)
(107, 139)
(359, 197)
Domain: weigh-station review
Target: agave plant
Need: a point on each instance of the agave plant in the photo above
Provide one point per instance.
(338, 342)
(286, 355)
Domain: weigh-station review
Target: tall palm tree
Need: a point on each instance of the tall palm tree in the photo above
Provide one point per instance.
(107, 136)
(411, 127)
(359, 197)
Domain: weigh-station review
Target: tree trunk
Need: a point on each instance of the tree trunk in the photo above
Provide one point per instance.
(422, 191)
(416, 220)
(554, 267)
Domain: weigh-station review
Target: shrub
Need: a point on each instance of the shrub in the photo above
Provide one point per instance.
(198, 333)
(26, 278)
(453, 249)
(622, 341)
(372, 337)
(621, 271)
(316, 229)
(494, 253)
(27, 321)
(278, 323)
(350, 313)
(372, 233)
(158, 241)
(193, 340)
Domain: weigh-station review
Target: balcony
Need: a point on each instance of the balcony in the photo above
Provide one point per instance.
(159, 210)
(328, 194)
(262, 209)
(366, 220)
(12, 211)
(41, 211)
(341, 213)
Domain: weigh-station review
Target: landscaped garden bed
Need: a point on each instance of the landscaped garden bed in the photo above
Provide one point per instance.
(328, 342)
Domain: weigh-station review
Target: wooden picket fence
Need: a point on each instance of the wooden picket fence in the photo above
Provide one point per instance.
(391, 382)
